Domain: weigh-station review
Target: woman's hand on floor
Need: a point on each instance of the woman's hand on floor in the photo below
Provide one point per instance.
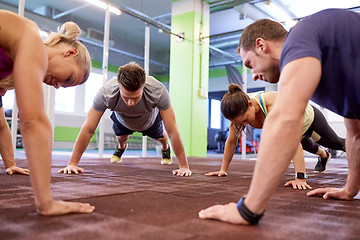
(14, 169)
(184, 172)
(71, 169)
(298, 184)
(218, 173)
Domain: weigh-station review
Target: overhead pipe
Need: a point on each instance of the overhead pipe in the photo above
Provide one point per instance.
(70, 11)
(224, 54)
(166, 28)
(86, 40)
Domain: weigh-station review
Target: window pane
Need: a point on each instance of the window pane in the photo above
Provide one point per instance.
(8, 99)
(92, 86)
(65, 99)
(215, 113)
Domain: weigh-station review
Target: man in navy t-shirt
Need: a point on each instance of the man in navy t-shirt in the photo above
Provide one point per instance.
(318, 59)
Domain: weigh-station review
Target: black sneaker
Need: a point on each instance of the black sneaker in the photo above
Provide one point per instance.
(116, 157)
(321, 164)
(166, 156)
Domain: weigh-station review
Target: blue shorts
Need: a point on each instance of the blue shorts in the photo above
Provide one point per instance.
(155, 131)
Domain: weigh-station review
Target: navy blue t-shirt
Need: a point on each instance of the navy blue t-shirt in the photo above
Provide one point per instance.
(0, 101)
(333, 37)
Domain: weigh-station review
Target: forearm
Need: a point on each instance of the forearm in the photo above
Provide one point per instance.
(273, 159)
(352, 186)
(179, 150)
(6, 148)
(229, 151)
(80, 146)
(37, 137)
(298, 160)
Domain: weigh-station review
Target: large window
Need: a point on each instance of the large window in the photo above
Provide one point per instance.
(65, 99)
(8, 99)
(93, 84)
(215, 114)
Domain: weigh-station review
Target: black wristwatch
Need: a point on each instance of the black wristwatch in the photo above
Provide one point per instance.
(301, 175)
(248, 215)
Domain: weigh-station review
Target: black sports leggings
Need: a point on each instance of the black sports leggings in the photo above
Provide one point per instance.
(328, 138)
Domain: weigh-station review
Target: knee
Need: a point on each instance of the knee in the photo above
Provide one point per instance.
(123, 137)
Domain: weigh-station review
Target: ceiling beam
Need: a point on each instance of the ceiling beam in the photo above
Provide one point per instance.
(225, 4)
(70, 11)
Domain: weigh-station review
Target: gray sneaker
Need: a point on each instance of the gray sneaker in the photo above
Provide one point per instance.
(321, 164)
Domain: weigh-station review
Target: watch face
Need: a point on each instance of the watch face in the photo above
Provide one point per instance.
(300, 175)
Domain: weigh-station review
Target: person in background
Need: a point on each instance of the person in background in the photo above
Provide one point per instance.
(242, 109)
(139, 103)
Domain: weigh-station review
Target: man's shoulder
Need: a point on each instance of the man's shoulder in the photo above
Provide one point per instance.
(108, 91)
(152, 82)
(110, 86)
(154, 91)
(111, 83)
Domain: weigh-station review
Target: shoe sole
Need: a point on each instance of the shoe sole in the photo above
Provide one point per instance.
(166, 162)
(325, 166)
(115, 161)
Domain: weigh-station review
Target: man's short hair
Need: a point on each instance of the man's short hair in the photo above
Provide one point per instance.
(263, 28)
(131, 76)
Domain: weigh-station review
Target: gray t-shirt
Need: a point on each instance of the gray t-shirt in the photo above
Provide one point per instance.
(140, 117)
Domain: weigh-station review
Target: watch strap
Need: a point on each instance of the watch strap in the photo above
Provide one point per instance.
(251, 217)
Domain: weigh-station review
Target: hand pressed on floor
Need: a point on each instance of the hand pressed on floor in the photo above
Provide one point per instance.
(184, 172)
(71, 169)
(226, 213)
(13, 169)
(218, 173)
(62, 207)
(298, 184)
(329, 192)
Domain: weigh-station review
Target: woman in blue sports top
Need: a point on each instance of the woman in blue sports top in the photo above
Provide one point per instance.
(242, 109)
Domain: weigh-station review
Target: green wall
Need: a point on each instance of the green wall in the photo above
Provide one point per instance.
(189, 64)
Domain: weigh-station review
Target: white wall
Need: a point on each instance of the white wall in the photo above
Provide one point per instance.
(222, 83)
(77, 118)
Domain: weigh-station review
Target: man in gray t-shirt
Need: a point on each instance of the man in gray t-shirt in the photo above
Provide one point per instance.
(139, 104)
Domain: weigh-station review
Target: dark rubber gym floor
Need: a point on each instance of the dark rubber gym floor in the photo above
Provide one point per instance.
(141, 199)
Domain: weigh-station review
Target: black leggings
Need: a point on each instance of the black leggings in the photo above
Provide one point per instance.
(328, 138)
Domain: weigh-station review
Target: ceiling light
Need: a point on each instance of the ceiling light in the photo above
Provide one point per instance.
(248, 10)
(279, 13)
(103, 5)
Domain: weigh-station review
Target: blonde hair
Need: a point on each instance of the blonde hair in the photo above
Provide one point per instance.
(68, 33)
(7, 82)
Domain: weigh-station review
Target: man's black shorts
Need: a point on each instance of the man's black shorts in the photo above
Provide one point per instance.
(155, 131)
